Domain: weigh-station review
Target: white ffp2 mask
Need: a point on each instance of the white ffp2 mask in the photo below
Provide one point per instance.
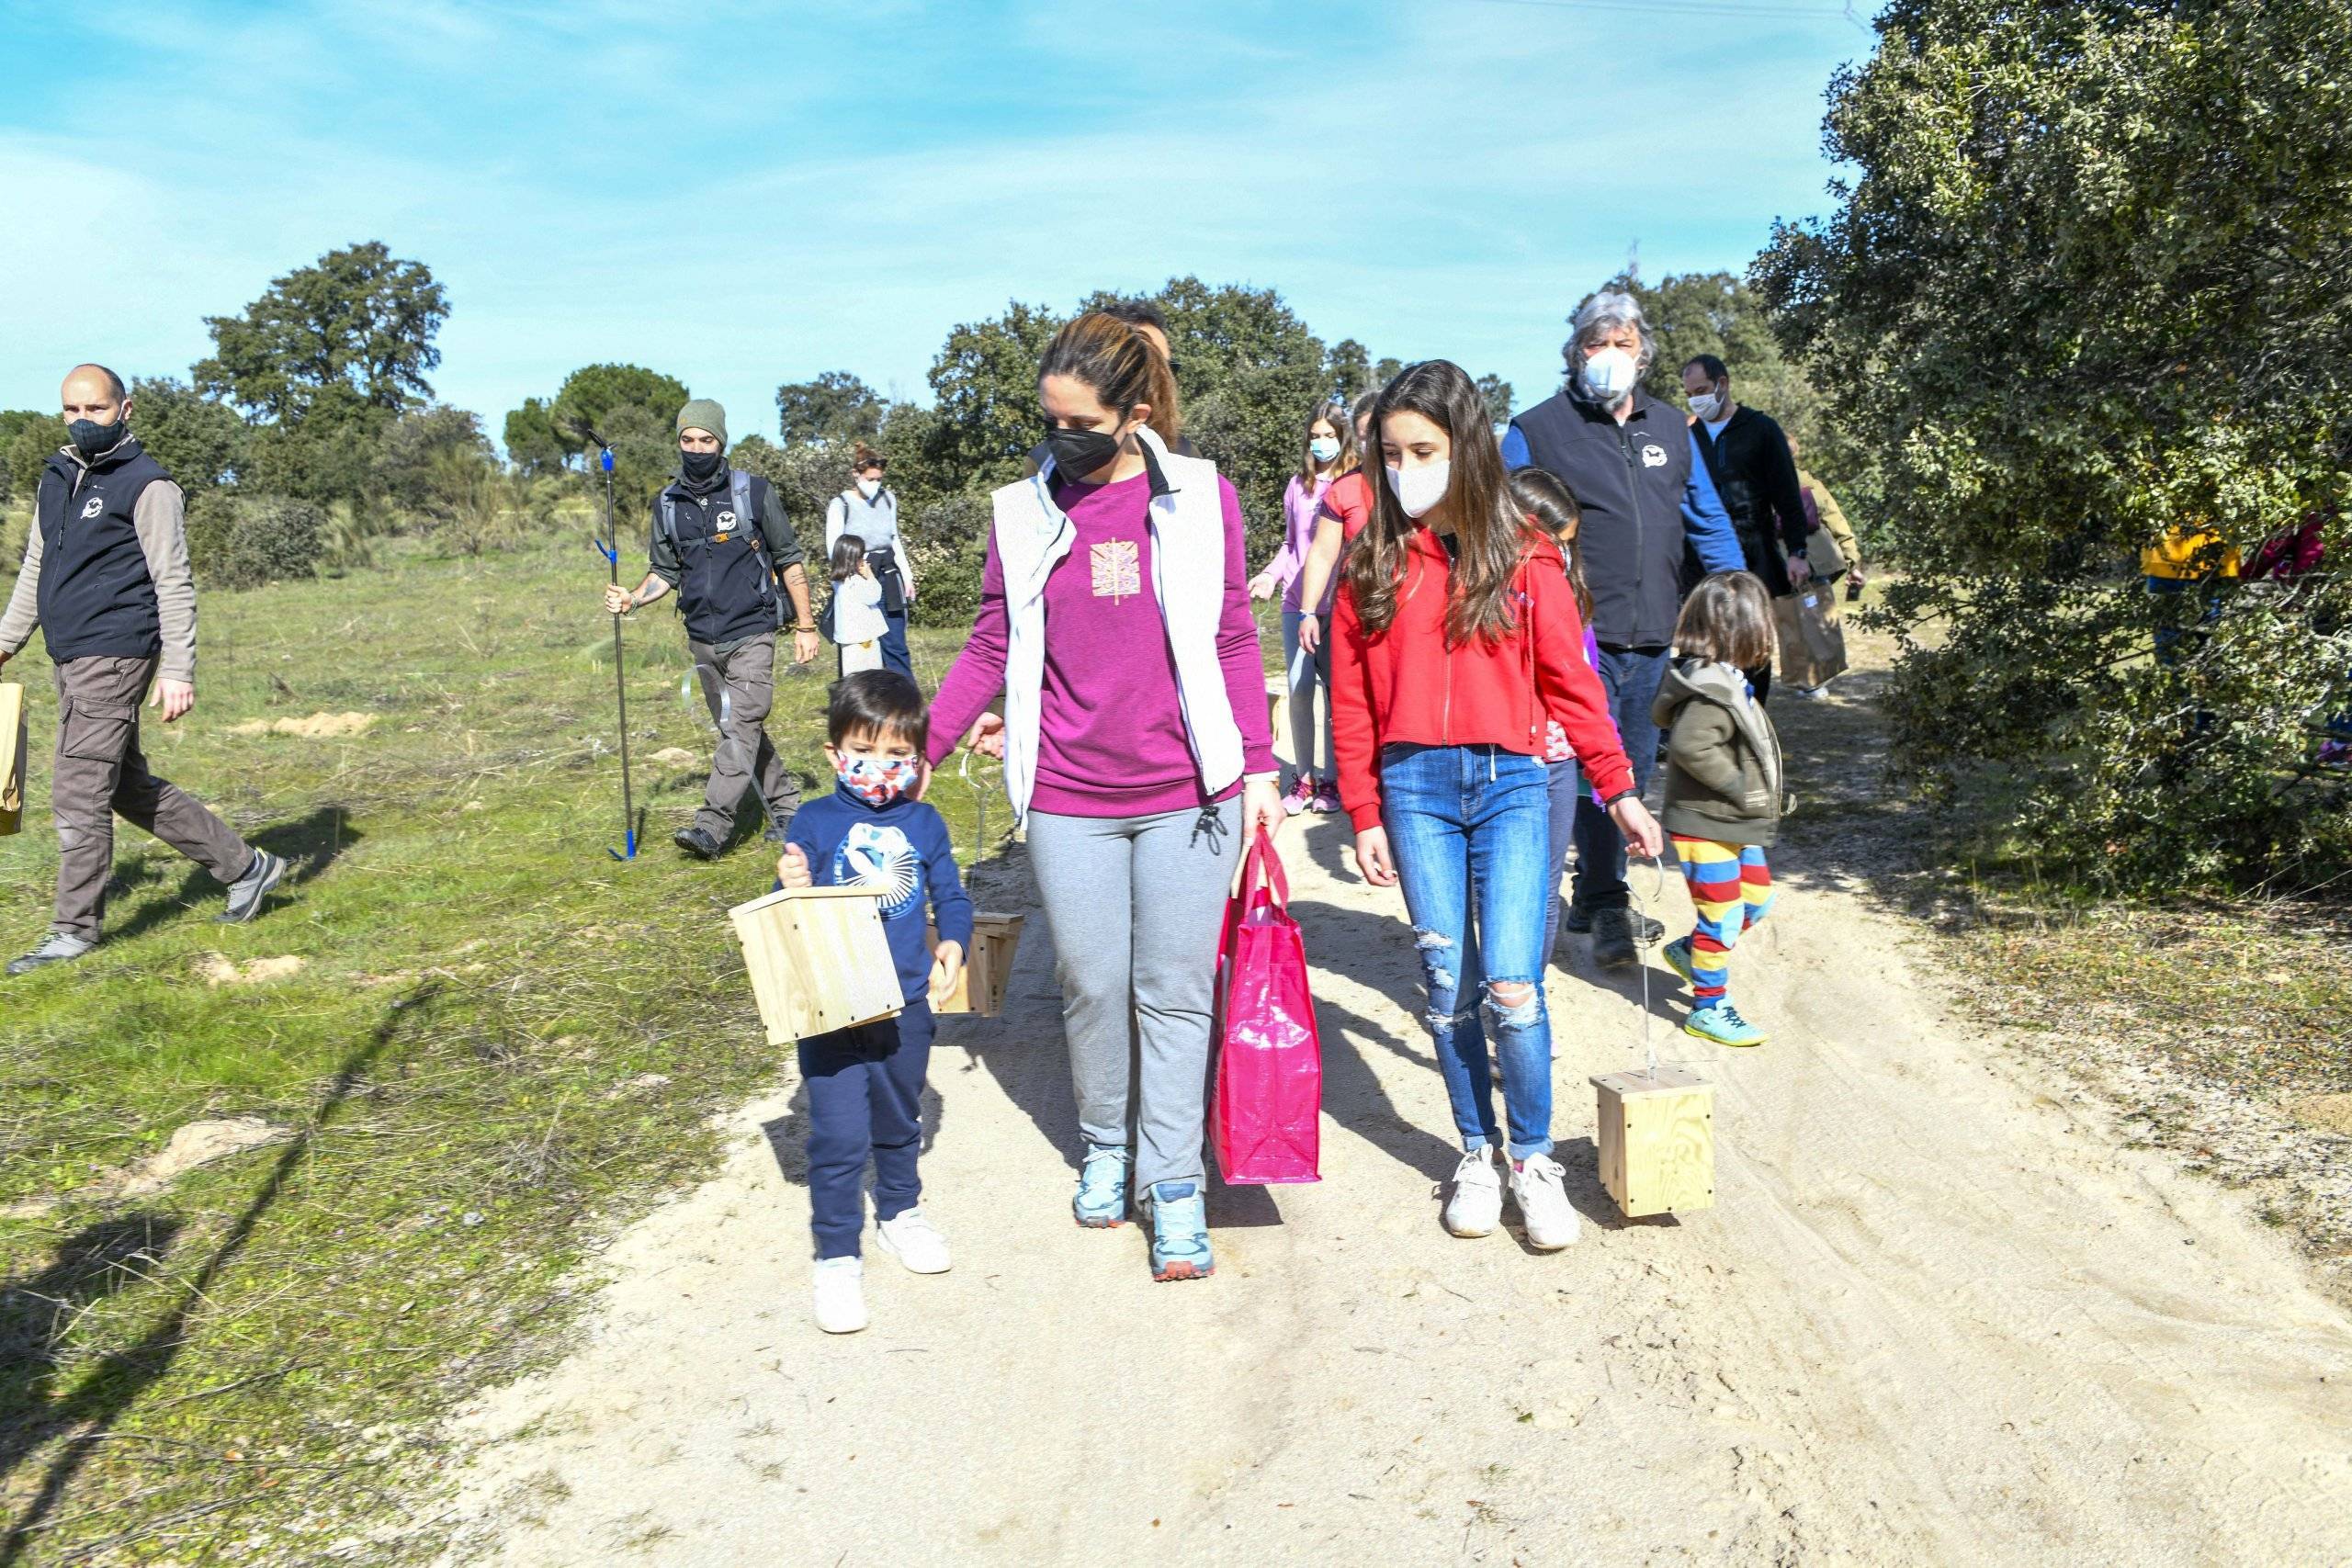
(1418, 490)
(1608, 374)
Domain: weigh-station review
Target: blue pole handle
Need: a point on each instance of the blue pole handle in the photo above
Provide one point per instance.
(610, 552)
(605, 457)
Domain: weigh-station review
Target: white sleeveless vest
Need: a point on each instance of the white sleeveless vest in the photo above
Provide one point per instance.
(1187, 581)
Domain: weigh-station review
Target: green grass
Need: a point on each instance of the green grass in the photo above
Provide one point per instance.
(501, 1042)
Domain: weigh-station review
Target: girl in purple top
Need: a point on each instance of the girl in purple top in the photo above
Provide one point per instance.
(1116, 622)
(1327, 451)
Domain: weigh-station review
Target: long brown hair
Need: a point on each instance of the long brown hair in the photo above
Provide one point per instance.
(1342, 426)
(1543, 496)
(1491, 533)
(1119, 363)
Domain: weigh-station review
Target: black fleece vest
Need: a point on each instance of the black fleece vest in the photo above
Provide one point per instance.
(1629, 481)
(727, 587)
(96, 597)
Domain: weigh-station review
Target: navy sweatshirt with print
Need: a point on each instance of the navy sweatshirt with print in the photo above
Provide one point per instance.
(901, 850)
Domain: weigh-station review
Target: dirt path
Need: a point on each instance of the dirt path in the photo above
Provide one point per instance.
(1939, 1315)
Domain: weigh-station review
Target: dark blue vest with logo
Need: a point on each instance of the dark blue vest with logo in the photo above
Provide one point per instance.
(727, 586)
(96, 598)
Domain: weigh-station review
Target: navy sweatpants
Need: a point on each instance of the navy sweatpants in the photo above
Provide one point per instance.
(864, 1099)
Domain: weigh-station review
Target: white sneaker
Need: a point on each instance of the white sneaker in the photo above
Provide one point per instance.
(1539, 1186)
(841, 1294)
(913, 1241)
(1476, 1205)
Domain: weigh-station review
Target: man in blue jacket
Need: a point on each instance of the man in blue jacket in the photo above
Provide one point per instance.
(1649, 505)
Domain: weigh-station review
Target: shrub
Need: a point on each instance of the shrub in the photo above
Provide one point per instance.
(244, 541)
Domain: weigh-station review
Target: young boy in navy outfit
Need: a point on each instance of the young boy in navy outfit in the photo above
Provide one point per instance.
(865, 1084)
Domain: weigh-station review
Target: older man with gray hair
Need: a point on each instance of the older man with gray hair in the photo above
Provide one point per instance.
(1649, 505)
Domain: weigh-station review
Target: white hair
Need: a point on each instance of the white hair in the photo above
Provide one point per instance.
(1604, 312)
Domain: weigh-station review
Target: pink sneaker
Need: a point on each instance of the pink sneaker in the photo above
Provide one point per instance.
(1327, 799)
(1301, 797)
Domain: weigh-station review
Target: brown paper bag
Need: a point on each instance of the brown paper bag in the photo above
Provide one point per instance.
(1812, 635)
(12, 758)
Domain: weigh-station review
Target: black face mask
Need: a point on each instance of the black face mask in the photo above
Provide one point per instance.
(700, 466)
(92, 439)
(1078, 453)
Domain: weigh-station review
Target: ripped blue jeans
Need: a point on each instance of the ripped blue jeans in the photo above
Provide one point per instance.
(1473, 823)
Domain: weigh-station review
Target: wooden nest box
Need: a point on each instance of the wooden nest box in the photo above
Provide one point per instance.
(12, 758)
(819, 960)
(1657, 1141)
(979, 989)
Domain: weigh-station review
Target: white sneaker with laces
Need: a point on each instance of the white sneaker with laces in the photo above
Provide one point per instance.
(914, 1241)
(841, 1294)
(1474, 1207)
(1539, 1186)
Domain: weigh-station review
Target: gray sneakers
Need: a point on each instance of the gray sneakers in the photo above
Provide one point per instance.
(57, 947)
(247, 892)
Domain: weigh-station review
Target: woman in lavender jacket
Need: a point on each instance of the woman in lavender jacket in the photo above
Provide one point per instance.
(1328, 452)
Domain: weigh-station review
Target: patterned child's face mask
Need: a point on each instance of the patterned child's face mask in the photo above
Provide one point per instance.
(876, 781)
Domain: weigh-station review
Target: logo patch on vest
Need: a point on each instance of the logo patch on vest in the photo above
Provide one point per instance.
(1653, 455)
(94, 505)
(726, 520)
(1118, 569)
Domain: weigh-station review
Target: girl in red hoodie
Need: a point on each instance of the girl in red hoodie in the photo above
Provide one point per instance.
(1455, 641)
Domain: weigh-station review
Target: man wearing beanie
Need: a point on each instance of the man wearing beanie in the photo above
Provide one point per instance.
(721, 539)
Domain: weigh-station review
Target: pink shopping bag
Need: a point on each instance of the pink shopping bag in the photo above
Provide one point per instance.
(1270, 1062)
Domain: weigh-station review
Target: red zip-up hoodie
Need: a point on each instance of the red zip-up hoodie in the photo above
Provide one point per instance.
(1406, 684)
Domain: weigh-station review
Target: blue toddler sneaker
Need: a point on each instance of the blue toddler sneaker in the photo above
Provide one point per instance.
(1677, 958)
(1722, 1024)
(1180, 1233)
(1101, 1201)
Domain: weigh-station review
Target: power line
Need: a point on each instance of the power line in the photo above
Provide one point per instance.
(1696, 8)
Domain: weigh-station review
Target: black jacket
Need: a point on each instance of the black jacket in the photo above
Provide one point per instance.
(724, 568)
(1758, 480)
(1629, 481)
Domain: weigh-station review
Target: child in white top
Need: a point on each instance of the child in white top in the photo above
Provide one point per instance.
(858, 621)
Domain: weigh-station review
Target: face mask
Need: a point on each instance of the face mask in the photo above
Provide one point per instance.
(875, 782)
(700, 466)
(867, 487)
(1607, 376)
(1324, 447)
(1078, 452)
(92, 439)
(1708, 406)
(1420, 489)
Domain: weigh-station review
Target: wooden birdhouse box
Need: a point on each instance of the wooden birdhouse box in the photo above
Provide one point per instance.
(979, 989)
(1657, 1141)
(12, 757)
(819, 960)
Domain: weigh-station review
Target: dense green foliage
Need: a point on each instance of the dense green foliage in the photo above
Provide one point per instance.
(2092, 283)
(836, 406)
(245, 541)
(354, 331)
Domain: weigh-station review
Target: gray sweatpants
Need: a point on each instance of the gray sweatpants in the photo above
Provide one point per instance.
(739, 688)
(1134, 905)
(102, 773)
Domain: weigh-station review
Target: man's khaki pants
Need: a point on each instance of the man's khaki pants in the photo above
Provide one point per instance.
(101, 772)
(741, 689)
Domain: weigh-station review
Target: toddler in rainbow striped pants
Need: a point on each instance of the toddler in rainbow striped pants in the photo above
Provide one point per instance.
(1722, 789)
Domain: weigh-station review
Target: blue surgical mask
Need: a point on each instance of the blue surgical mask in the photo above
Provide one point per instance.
(1324, 448)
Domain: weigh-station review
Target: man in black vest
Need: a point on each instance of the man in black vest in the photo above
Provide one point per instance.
(1648, 506)
(1748, 457)
(106, 578)
(721, 539)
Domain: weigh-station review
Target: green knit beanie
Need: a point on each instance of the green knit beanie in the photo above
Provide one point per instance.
(704, 413)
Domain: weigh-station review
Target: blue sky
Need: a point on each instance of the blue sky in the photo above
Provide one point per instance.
(743, 195)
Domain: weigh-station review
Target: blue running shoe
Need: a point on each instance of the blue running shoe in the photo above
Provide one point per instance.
(1677, 958)
(1101, 1201)
(1722, 1024)
(1180, 1233)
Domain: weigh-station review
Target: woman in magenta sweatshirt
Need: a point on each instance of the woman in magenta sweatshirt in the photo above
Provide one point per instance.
(1114, 619)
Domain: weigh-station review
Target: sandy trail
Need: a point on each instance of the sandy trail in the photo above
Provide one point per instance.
(1938, 1315)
